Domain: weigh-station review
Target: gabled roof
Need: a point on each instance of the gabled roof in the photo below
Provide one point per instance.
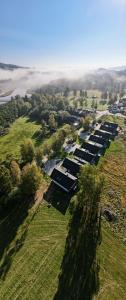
(85, 156)
(107, 128)
(104, 134)
(72, 166)
(94, 149)
(98, 140)
(63, 179)
(113, 125)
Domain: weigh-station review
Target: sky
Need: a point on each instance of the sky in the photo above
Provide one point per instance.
(63, 33)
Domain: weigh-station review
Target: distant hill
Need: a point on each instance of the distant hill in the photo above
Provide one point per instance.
(10, 67)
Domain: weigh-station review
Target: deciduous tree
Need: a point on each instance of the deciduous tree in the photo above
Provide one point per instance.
(15, 172)
(5, 181)
(27, 151)
(30, 180)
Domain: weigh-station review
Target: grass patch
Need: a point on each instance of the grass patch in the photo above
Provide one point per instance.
(35, 267)
(20, 130)
(112, 255)
(113, 167)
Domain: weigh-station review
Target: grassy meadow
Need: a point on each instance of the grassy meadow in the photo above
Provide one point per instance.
(20, 130)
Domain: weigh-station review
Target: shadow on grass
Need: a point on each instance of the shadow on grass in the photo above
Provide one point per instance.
(58, 198)
(10, 240)
(79, 275)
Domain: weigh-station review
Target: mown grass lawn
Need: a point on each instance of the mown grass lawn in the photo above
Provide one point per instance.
(20, 130)
(34, 271)
(112, 255)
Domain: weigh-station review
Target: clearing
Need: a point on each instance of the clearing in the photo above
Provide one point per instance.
(20, 130)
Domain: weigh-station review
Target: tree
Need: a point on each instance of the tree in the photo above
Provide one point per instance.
(5, 181)
(86, 123)
(39, 156)
(15, 172)
(75, 103)
(122, 93)
(66, 92)
(85, 94)
(81, 93)
(82, 121)
(93, 104)
(26, 108)
(96, 105)
(74, 92)
(31, 179)
(85, 103)
(79, 277)
(46, 148)
(104, 95)
(110, 95)
(52, 122)
(43, 129)
(27, 151)
(81, 100)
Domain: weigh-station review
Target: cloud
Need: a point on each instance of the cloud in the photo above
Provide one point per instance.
(33, 78)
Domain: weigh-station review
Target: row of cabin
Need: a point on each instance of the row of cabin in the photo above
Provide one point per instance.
(66, 175)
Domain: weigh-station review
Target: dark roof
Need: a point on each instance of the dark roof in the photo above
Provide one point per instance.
(63, 179)
(103, 134)
(71, 119)
(72, 166)
(98, 140)
(113, 125)
(108, 129)
(85, 156)
(94, 149)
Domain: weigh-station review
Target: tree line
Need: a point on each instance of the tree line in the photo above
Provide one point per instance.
(20, 179)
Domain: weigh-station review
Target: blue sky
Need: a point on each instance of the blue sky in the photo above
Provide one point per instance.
(63, 32)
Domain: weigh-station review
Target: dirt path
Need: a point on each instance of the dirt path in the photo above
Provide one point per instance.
(39, 195)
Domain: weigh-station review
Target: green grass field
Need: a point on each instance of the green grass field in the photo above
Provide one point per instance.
(34, 270)
(20, 130)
